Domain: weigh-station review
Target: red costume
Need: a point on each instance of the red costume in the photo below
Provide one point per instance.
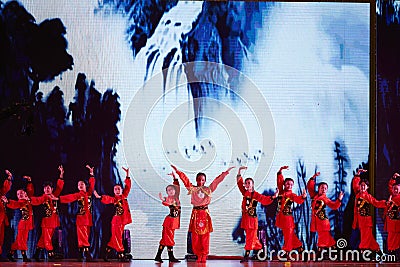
(172, 220)
(3, 216)
(284, 216)
(200, 220)
(249, 216)
(50, 220)
(84, 216)
(319, 220)
(392, 222)
(26, 222)
(121, 217)
(362, 215)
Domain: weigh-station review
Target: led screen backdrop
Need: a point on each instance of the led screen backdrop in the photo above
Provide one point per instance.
(200, 85)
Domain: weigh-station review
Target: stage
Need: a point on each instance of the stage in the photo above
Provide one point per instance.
(183, 263)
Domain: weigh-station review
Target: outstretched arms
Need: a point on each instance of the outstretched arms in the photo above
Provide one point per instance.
(214, 184)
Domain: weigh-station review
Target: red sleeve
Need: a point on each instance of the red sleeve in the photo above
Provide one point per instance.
(59, 187)
(91, 186)
(396, 200)
(356, 184)
(185, 180)
(311, 187)
(177, 188)
(241, 186)
(296, 198)
(70, 197)
(127, 189)
(13, 204)
(376, 203)
(6, 187)
(280, 181)
(218, 180)
(30, 191)
(392, 182)
(333, 204)
(35, 201)
(105, 199)
(165, 203)
(265, 200)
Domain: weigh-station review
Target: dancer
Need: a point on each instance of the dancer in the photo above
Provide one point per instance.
(25, 202)
(3, 216)
(200, 220)
(319, 219)
(284, 217)
(392, 218)
(84, 216)
(121, 217)
(50, 220)
(171, 221)
(249, 221)
(363, 212)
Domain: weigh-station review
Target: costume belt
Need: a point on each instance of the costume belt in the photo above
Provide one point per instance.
(200, 208)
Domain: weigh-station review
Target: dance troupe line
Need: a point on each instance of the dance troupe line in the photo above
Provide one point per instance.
(200, 225)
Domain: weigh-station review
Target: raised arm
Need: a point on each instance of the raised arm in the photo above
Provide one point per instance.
(311, 185)
(214, 184)
(128, 183)
(356, 180)
(239, 180)
(280, 179)
(6, 184)
(92, 181)
(60, 182)
(29, 187)
(183, 177)
(392, 182)
(177, 185)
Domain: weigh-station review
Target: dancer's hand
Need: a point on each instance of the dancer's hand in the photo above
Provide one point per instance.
(276, 194)
(316, 174)
(230, 168)
(28, 178)
(241, 168)
(96, 194)
(61, 169)
(284, 168)
(304, 195)
(126, 171)
(361, 171)
(91, 170)
(9, 174)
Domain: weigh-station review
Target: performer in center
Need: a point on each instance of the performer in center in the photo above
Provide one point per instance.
(200, 220)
